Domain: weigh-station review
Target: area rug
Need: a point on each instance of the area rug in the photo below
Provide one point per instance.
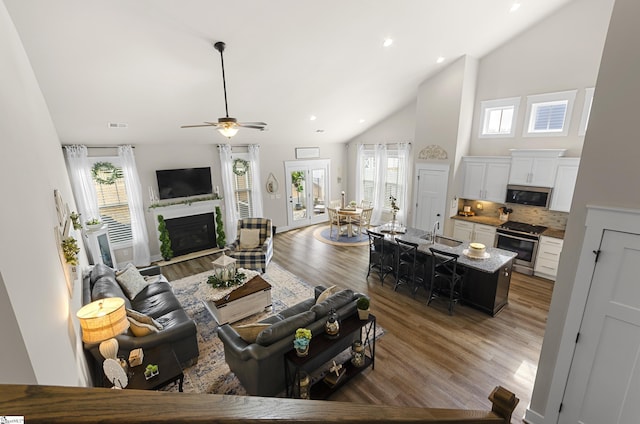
(322, 234)
(211, 374)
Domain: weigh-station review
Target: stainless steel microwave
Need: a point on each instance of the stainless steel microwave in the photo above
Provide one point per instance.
(531, 196)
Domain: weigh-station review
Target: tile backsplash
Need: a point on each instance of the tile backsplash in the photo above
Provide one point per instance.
(521, 213)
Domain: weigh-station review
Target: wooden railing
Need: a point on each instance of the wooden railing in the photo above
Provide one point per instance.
(51, 404)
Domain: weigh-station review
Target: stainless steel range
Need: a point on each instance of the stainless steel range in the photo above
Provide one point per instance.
(522, 239)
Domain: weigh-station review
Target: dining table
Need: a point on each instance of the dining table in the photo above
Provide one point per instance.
(348, 214)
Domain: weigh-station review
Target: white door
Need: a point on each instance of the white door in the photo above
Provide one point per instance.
(307, 185)
(604, 380)
(431, 196)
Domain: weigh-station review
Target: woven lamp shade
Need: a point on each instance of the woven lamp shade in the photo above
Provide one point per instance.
(103, 319)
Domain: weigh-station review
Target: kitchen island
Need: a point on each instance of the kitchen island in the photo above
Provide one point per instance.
(486, 281)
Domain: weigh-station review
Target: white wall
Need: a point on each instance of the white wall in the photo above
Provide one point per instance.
(31, 167)
(609, 173)
(560, 53)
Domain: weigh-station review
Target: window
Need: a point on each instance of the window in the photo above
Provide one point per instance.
(368, 175)
(498, 117)
(394, 176)
(549, 114)
(243, 186)
(586, 111)
(113, 204)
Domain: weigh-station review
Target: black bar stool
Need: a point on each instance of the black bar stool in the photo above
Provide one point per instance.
(410, 266)
(446, 278)
(380, 255)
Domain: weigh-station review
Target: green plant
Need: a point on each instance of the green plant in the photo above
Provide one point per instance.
(165, 240)
(218, 283)
(70, 250)
(302, 338)
(221, 239)
(94, 221)
(363, 303)
(75, 219)
(394, 206)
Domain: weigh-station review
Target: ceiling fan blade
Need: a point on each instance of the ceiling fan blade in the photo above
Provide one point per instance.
(195, 126)
(256, 127)
(244, 124)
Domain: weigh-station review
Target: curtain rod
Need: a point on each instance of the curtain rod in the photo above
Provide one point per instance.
(386, 144)
(98, 147)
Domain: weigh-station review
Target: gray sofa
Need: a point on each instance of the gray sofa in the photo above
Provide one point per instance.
(260, 366)
(155, 300)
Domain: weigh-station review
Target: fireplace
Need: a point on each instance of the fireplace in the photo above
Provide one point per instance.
(192, 233)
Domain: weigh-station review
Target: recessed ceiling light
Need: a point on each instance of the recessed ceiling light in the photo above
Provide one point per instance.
(387, 42)
(515, 6)
(361, 120)
(319, 131)
(313, 118)
(440, 59)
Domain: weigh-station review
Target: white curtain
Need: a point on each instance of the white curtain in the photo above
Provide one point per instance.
(359, 177)
(403, 179)
(379, 191)
(84, 191)
(256, 184)
(228, 193)
(140, 238)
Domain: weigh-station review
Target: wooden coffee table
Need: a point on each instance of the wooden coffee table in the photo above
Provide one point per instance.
(250, 298)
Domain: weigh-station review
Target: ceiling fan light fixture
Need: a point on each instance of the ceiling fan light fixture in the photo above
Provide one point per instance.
(228, 129)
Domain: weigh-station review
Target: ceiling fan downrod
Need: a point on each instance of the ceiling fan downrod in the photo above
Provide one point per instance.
(220, 47)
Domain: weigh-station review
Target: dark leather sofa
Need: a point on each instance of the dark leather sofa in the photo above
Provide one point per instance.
(157, 301)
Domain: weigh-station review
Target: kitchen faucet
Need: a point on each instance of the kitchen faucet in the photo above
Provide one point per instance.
(436, 226)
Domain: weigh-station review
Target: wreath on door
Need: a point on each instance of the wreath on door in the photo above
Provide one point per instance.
(240, 167)
(105, 173)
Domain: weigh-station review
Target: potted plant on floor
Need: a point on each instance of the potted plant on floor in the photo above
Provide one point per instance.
(165, 240)
(221, 239)
(362, 304)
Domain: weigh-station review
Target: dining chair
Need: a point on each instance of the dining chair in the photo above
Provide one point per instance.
(335, 221)
(381, 255)
(446, 278)
(335, 204)
(410, 266)
(365, 204)
(363, 220)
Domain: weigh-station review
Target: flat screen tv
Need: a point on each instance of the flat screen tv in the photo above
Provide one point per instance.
(187, 182)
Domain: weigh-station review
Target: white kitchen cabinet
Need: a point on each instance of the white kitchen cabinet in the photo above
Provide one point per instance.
(565, 183)
(485, 178)
(548, 257)
(534, 167)
(469, 231)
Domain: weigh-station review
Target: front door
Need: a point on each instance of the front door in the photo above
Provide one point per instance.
(604, 380)
(307, 184)
(430, 195)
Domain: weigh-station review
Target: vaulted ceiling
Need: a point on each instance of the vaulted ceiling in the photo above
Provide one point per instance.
(150, 64)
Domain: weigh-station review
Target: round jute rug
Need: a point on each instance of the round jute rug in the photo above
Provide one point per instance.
(322, 234)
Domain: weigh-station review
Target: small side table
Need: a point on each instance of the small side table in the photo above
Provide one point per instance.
(170, 370)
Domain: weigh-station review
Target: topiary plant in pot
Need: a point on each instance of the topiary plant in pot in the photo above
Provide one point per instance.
(362, 304)
(165, 240)
(221, 239)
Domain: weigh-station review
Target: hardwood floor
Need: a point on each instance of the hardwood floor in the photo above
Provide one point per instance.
(426, 357)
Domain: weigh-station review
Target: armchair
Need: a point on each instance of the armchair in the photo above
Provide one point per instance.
(258, 256)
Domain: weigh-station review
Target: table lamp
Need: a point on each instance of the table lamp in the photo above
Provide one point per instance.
(101, 321)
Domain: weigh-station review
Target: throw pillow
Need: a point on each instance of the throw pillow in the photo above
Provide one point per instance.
(140, 329)
(144, 319)
(285, 328)
(249, 238)
(131, 281)
(325, 294)
(249, 332)
(335, 301)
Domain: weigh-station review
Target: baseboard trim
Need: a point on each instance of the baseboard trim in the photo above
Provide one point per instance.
(532, 417)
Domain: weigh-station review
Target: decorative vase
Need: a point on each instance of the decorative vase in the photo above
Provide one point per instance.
(363, 314)
(301, 352)
(332, 326)
(357, 353)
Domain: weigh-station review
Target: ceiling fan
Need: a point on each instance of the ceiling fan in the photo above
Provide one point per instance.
(227, 126)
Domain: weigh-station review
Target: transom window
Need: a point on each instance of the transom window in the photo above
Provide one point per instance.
(549, 114)
(498, 117)
(113, 204)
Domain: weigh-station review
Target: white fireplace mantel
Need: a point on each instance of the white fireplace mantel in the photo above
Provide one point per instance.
(186, 209)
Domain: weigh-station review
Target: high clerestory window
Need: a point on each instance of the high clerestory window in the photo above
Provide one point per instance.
(498, 117)
(549, 115)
